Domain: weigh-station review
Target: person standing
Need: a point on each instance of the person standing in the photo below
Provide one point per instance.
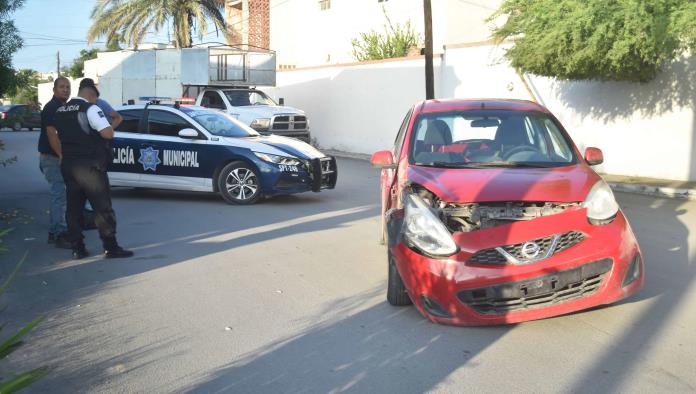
(49, 163)
(112, 115)
(115, 120)
(83, 133)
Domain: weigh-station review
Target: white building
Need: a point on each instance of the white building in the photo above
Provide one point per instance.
(318, 32)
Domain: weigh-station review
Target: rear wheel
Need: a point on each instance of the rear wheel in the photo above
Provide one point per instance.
(238, 183)
(17, 126)
(396, 291)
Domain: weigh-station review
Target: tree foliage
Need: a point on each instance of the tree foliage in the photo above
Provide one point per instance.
(25, 89)
(396, 41)
(620, 40)
(10, 41)
(78, 65)
(131, 20)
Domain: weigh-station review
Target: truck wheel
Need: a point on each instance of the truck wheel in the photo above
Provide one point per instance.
(17, 126)
(239, 184)
(396, 291)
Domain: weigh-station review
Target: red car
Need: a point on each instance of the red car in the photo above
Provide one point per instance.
(492, 216)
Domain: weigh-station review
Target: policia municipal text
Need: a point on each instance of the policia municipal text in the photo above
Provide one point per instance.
(82, 143)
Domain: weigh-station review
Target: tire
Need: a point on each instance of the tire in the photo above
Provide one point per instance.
(239, 183)
(17, 126)
(396, 291)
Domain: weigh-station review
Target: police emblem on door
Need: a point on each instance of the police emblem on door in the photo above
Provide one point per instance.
(149, 158)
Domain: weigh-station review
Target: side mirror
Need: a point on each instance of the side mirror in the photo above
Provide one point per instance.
(188, 133)
(281, 101)
(594, 156)
(383, 159)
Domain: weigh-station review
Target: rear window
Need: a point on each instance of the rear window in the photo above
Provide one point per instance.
(131, 121)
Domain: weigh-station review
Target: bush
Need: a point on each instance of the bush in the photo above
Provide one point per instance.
(396, 41)
(620, 40)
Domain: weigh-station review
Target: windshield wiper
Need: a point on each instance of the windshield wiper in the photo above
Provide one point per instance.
(511, 164)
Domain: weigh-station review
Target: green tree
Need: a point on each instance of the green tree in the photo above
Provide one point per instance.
(620, 40)
(131, 20)
(11, 42)
(396, 41)
(78, 65)
(25, 89)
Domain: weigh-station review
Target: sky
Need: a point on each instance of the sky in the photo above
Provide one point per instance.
(48, 26)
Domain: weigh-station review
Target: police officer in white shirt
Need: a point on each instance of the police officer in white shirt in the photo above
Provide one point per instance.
(84, 131)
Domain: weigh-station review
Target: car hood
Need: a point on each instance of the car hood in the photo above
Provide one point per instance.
(562, 184)
(264, 111)
(276, 145)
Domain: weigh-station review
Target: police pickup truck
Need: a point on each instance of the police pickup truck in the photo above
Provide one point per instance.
(254, 108)
(197, 149)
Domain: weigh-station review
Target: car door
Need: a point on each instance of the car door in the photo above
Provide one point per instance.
(125, 169)
(168, 160)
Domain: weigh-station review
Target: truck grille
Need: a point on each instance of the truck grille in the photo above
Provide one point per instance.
(289, 123)
(538, 292)
(514, 254)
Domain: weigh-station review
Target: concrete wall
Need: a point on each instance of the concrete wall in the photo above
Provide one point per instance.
(303, 35)
(644, 129)
(354, 108)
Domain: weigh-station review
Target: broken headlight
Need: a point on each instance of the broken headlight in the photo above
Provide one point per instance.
(288, 161)
(424, 231)
(601, 204)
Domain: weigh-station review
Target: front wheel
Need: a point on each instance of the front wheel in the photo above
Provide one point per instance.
(238, 183)
(17, 126)
(397, 294)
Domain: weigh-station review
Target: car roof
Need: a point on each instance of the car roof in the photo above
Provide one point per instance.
(446, 105)
(183, 108)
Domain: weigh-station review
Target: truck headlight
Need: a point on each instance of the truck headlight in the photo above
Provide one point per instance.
(260, 124)
(288, 161)
(601, 204)
(424, 230)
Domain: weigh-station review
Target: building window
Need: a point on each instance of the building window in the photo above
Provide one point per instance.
(324, 5)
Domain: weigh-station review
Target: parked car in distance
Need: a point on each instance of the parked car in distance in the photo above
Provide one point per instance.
(19, 116)
(492, 216)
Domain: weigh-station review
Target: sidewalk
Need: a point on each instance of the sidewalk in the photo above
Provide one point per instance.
(621, 183)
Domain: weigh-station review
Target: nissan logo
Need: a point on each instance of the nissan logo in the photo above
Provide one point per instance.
(531, 250)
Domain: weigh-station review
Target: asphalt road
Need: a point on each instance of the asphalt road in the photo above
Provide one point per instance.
(289, 296)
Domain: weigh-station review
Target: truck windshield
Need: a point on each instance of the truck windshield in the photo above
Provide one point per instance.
(222, 124)
(242, 98)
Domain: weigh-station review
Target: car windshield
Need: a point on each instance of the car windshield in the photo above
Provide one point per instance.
(489, 138)
(242, 98)
(222, 124)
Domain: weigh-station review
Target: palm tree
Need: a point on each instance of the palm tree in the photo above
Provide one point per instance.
(130, 20)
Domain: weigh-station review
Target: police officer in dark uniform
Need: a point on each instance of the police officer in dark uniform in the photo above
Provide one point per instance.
(84, 131)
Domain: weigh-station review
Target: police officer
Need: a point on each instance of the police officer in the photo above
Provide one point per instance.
(84, 132)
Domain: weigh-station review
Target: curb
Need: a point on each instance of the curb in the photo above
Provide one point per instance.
(654, 191)
(635, 188)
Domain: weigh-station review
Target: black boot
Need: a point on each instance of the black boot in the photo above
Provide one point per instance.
(117, 252)
(79, 252)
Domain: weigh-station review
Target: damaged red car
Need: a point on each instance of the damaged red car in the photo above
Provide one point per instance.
(491, 215)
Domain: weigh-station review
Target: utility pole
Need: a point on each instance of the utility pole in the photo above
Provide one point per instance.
(429, 78)
(58, 63)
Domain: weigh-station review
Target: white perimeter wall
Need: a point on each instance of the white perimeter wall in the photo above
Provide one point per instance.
(644, 129)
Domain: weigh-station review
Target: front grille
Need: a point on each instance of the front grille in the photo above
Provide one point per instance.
(538, 292)
(289, 123)
(514, 254)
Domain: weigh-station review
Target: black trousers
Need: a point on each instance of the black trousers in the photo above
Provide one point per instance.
(86, 179)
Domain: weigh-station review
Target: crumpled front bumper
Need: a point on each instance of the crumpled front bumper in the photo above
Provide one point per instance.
(454, 291)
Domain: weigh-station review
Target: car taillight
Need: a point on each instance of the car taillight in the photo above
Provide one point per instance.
(3, 115)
